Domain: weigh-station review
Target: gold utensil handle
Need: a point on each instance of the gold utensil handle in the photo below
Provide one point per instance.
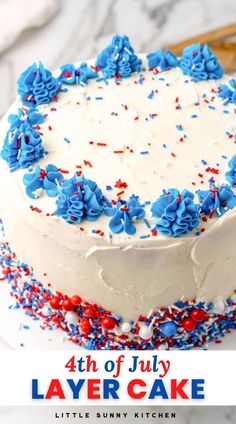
(207, 37)
(217, 39)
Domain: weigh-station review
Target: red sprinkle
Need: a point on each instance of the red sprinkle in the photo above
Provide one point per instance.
(120, 193)
(63, 171)
(120, 184)
(86, 162)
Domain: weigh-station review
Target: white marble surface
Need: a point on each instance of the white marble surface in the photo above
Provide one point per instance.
(77, 31)
(14, 21)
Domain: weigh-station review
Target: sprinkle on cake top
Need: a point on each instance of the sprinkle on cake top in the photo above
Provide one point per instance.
(142, 147)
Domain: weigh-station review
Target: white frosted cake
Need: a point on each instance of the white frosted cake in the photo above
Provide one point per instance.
(117, 190)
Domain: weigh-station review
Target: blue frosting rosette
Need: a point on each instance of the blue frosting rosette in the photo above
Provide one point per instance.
(30, 116)
(71, 75)
(123, 214)
(48, 180)
(216, 200)
(37, 86)
(23, 144)
(227, 92)
(79, 198)
(231, 174)
(177, 213)
(163, 60)
(118, 58)
(200, 63)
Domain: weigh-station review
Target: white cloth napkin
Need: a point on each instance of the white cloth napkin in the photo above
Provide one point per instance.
(16, 16)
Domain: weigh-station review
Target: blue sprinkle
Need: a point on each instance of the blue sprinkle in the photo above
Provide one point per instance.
(225, 111)
(211, 107)
(151, 95)
(108, 187)
(66, 140)
(146, 222)
(140, 80)
(194, 116)
(179, 127)
(144, 152)
(99, 98)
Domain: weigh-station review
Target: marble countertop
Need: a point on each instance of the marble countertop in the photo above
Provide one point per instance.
(76, 30)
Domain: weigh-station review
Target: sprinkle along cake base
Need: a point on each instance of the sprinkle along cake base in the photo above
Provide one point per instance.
(118, 194)
(183, 325)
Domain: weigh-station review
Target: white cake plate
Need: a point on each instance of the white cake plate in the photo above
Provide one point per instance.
(18, 331)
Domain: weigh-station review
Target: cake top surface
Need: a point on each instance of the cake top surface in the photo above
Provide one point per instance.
(137, 138)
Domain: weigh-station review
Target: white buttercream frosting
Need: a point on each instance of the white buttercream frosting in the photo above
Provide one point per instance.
(127, 274)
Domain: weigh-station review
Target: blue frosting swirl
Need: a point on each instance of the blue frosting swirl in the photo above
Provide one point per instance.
(231, 174)
(163, 60)
(118, 58)
(227, 92)
(37, 86)
(123, 215)
(177, 212)
(200, 63)
(30, 116)
(71, 75)
(23, 144)
(216, 200)
(47, 179)
(79, 198)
